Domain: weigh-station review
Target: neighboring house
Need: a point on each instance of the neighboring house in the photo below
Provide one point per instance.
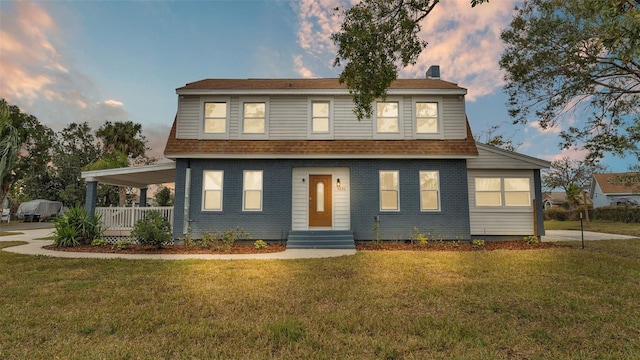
(287, 159)
(555, 199)
(607, 190)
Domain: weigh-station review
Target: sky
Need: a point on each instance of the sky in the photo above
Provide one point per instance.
(97, 61)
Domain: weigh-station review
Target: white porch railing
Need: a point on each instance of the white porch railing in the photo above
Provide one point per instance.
(123, 218)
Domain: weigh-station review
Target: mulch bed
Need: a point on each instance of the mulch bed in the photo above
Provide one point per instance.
(169, 249)
(456, 246)
(250, 249)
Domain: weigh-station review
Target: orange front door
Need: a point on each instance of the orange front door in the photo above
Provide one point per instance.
(320, 212)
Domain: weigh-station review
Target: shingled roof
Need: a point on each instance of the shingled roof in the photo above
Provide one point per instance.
(611, 183)
(181, 148)
(308, 84)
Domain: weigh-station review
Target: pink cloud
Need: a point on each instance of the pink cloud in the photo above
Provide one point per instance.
(301, 69)
(464, 41)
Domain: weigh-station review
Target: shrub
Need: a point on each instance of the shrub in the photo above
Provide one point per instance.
(623, 214)
(260, 244)
(99, 242)
(558, 214)
(123, 243)
(477, 243)
(377, 240)
(530, 239)
(419, 238)
(76, 227)
(222, 241)
(154, 229)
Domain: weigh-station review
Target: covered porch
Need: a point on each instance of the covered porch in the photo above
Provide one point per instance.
(119, 221)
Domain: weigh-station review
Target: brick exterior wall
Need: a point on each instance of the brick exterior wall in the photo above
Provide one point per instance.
(274, 221)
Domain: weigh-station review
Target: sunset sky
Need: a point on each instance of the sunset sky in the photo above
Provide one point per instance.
(93, 61)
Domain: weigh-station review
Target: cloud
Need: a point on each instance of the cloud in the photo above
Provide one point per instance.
(40, 77)
(464, 41)
(114, 103)
(556, 129)
(301, 69)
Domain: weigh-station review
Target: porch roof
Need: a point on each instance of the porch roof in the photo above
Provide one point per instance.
(135, 176)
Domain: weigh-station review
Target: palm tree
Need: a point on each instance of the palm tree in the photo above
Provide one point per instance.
(9, 143)
(125, 137)
(121, 138)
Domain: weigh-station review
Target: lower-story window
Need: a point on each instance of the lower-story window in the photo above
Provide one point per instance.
(252, 190)
(498, 191)
(389, 191)
(429, 191)
(212, 190)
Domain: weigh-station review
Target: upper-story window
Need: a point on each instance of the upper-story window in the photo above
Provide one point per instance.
(320, 116)
(387, 117)
(320, 125)
(254, 117)
(427, 118)
(214, 117)
(387, 123)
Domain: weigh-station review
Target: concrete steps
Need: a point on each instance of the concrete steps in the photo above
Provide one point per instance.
(321, 239)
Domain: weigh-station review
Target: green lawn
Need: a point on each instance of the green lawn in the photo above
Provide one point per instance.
(554, 303)
(632, 229)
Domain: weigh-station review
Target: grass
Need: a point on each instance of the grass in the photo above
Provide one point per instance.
(553, 303)
(632, 229)
(7, 233)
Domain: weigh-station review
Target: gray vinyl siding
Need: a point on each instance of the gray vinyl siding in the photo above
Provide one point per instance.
(454, 118)
(188, 125)
(346, 125)
(288, 118)
(500, 220)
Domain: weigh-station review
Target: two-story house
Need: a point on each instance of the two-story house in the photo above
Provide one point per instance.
(287, 159)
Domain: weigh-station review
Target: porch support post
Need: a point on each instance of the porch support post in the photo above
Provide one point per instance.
(143, 197)
(537, 184)
(91, 197)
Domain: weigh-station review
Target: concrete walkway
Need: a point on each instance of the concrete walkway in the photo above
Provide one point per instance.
(35, 247)
(574, 235)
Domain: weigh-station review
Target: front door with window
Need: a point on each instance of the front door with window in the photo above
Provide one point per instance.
(320, 213)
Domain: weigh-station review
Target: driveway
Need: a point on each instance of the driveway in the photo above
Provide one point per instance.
(574, 235)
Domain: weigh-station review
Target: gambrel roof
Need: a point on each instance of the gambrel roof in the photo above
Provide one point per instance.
(347, 149)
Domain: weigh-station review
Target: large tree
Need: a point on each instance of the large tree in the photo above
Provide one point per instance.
(30, 142)
(577, 61)
(570, 175)
(8, 149)
(122, 139)
(376, 38)
(75, 147)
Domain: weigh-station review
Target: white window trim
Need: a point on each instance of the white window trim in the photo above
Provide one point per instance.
(385, 135)
(319, 135)
(503, 205)
(414, 126)
(221, 192)
(380, 191)
(438, 192)
(253, 136)
(204, 135)
(244, 190)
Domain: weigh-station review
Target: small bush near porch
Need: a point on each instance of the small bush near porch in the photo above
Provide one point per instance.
(549, 303)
